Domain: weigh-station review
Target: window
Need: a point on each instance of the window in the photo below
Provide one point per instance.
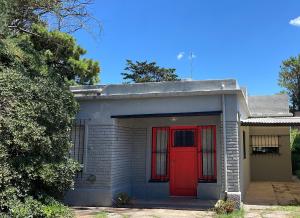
(207, 154)
(160, 155)
(244, 145)
(78, 140)
(265, 144)
(184, 138)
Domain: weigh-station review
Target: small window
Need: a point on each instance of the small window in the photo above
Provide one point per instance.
(77, 137)
(244, 145)
(265, 144)
(184, 138)
(207, 154)
(160, 153)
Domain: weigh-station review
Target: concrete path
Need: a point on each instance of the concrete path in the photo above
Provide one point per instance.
(273, 193)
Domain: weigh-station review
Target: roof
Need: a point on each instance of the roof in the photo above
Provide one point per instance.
(155, 89)
(271, 121)
(269, 106)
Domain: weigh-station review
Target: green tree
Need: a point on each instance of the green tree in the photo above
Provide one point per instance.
(37, 110)
(289, 78)
(63, 15)
(140, 72)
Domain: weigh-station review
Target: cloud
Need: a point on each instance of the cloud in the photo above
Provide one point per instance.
(180, 55)
(295, 22)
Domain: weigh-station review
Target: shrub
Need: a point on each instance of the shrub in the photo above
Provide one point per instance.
(28, 208)
(121, 199)
(225, 206)
(35, 208)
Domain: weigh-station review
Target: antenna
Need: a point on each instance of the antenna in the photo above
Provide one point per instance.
(191, 57)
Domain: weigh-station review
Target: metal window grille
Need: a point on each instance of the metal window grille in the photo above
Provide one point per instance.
(77, 137)
(160, 154)
(207, 154)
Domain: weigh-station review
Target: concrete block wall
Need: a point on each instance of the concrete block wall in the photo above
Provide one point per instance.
(232, 145)
(93, 188)
(121, 160)
(128, 158)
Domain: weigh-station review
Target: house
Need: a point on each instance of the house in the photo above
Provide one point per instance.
(204, 139)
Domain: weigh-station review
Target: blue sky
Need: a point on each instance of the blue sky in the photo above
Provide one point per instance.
(245, 40)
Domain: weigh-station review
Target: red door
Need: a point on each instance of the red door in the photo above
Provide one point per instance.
(183, 164)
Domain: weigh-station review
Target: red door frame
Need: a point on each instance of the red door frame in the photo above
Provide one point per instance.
(179, 149)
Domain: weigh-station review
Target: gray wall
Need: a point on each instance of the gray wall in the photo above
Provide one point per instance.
(245, 162)
(118, 155)
(141, 168)
(272, 167)
(94, 187)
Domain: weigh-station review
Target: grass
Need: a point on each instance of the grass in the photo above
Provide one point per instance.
(235, 214)
(101, 214)
(287, 208)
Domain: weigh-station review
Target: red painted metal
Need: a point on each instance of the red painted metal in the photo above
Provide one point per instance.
(183, 165)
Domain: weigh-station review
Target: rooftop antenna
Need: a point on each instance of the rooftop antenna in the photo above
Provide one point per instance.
(191, 57)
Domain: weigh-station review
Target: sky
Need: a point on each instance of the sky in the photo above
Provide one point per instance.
(241, 39)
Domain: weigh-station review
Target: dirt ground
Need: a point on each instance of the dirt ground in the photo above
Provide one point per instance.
(273, 193)
(250, 211)
(263, 200)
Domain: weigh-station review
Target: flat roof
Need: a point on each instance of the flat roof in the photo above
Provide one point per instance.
(153, 89)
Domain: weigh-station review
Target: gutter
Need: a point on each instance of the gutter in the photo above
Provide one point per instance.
(224, 142)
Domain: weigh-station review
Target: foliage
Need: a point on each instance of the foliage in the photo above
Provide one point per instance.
(59, 57)
(35, 119)
(295, 148)
(36, 113)
(37, 108)
(121, 199)
(235, 214)
(295, 140)
(63, 15)
(289, 78)
(225, 206)
(140, 72)
(101, 214)
(35, 208)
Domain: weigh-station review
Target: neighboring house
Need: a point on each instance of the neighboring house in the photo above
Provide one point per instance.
(156, 140)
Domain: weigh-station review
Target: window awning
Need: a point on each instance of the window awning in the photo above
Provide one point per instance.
(265, 141)
(271, 121)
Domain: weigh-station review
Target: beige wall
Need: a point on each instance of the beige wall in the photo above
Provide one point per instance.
(271, 167)
(245, 162)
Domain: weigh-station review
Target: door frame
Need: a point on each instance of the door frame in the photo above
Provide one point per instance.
(178, 149)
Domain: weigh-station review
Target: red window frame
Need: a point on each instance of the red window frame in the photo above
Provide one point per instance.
(154, 175)
(202, 177)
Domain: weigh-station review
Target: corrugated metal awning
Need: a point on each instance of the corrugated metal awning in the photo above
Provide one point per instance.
(271, 121)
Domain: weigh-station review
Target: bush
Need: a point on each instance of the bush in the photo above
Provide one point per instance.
(35, 208)
(225, 206)
(121, 199)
